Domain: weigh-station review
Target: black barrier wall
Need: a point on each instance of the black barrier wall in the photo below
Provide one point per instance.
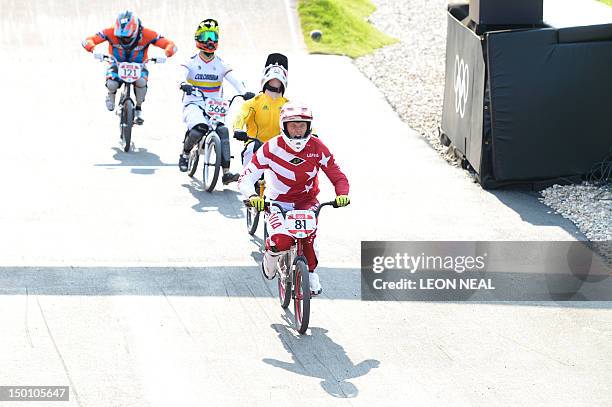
(551, 103)
(538, 102)
(464, 89)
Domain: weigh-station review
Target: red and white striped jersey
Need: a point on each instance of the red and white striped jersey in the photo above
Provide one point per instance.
(292, 177)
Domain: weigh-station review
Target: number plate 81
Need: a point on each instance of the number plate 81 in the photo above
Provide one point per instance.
(300, 223)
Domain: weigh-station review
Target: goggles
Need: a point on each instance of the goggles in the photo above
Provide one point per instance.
(207, 36)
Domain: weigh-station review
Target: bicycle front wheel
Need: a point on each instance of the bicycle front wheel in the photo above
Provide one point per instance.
(127, 121)
(194, 157)
(212, 161)
(284, 281)
(301, 296)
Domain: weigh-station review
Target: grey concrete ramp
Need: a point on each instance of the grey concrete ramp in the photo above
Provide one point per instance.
(159, 336)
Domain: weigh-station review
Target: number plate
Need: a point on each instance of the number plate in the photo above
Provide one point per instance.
(129, 72)
(300, 223)
(216, 107)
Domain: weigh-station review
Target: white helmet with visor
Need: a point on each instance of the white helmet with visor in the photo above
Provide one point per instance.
(296, 112)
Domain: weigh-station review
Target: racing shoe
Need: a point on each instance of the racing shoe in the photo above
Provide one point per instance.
(110, 101)
(315, 284)
(268, 266)
(183, 162)
(138, 116)
(229, 177)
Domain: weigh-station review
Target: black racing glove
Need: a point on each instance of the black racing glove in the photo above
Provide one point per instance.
(187, 88)
(241, 135)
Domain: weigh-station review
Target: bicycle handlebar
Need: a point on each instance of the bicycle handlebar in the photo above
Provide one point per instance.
(204, 96)
(267, 205)
(110, 58)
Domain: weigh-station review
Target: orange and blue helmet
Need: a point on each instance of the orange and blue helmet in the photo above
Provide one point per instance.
(127, 28)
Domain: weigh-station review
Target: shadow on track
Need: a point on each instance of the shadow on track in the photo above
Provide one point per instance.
(317, 355)
(140, 157)
(227, 202)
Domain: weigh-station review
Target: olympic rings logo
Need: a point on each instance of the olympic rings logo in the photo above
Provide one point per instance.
(461, 85)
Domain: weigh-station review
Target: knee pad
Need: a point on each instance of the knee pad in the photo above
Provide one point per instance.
(112, 85)
(140, 91)
(193, 136)
(201, 127)
(223, 132)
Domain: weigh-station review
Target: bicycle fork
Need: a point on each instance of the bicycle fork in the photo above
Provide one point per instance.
(285, 265)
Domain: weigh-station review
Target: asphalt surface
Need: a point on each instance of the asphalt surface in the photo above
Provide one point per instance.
(121, 278)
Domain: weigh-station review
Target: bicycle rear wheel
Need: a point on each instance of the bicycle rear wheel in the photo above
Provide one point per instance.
(252, 219)
(301, 296)
(212, 161)
(284, 281)
(127, 121)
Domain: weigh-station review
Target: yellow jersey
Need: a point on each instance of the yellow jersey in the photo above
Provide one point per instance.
(261, 115)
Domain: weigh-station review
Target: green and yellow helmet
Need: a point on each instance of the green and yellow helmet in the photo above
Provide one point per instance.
(207, 35)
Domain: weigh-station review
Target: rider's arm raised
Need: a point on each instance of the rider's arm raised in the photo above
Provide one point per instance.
(90, 42)
(151, 37)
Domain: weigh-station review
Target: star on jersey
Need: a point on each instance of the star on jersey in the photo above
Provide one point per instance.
(311, 174)
(308, 188)
(323, 161)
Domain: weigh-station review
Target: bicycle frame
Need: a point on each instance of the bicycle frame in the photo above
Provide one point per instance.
(292, 266)
(213, 121)
(128, 73)
(215, 109)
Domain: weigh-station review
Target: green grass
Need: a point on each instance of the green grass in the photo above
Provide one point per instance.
(608, 2)
(344, 26)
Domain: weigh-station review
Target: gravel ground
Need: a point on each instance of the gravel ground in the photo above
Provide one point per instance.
(588, 206)
(410, 73)
(411, 76)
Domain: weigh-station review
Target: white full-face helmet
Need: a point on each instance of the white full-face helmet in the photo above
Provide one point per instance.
(295, 112)
(274, 71)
